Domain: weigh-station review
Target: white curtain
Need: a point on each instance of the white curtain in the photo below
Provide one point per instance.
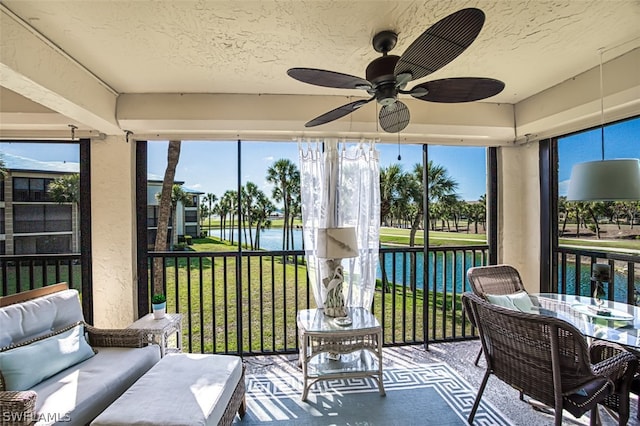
(340, 187)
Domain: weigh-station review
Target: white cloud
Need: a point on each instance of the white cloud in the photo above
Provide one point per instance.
(269, 158)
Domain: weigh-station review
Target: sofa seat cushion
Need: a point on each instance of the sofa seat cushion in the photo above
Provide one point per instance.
(81, 392)
(182, 389)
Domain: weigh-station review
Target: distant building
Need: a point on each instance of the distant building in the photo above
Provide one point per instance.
(32, 223)
(188, 217)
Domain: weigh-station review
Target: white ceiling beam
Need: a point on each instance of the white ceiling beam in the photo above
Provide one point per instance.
(35, 68)
(269, 117)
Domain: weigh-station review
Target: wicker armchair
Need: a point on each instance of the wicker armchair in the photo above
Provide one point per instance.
(624, 381)
(495, 279)
(545, 358)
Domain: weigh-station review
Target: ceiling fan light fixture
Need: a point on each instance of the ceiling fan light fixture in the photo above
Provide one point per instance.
(605, 180)
(388, 75)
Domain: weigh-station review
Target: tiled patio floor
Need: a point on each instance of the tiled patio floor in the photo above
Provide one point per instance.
(460, 356)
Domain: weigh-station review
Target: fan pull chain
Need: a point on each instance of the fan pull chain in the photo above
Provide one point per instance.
(399, 156)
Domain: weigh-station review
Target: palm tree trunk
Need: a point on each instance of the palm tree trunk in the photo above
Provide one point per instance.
(173, 156)
(174, 226)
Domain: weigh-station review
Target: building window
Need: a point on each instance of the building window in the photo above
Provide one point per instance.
(153, 212)
(42, 244)
(1, 189)
(152, 216)
(20, 189)
(30, 189)
(191, 216)
(2, 249)
(42, 218)
(2, 231)
(191, 230)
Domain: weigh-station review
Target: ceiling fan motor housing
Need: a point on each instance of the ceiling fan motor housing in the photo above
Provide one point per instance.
(380, 72)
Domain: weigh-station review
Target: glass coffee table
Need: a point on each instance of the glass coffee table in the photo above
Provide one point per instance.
(333, 349)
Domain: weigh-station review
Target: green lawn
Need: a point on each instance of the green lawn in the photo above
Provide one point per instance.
(400, 236)
(270, 300)
(609, 244)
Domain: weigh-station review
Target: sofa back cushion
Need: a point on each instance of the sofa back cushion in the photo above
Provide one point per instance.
(40, 316)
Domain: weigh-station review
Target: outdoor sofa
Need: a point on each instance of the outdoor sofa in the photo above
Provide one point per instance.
(49, 372)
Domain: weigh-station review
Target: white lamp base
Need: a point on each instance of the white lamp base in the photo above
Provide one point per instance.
(334, 301)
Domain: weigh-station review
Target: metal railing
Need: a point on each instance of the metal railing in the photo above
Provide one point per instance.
(247, 303)
(26, 272)
(574, 266)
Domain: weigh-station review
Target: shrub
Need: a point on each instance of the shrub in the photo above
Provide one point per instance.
(180, 247)
(158, 298)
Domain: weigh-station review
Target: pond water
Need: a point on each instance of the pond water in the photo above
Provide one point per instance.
(445, 272)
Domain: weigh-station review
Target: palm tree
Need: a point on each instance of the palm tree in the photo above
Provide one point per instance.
(295, 204)
(224, 208)
(164, 210)
(249, 196)
(390, 180)
(439, 183)
(563, 209)
(282, 174)
(211, 200)
(204, 212)
(66, 189)
(483, 211)
(264, 208)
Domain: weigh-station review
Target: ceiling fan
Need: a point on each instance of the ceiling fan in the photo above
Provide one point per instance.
(388, 75)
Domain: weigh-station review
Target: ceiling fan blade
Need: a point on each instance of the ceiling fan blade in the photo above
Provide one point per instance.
(441, 43)
(394, 117)
(460, 89)
(337, 113)
(328, 78)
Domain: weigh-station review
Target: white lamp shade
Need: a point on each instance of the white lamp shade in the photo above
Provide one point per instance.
(337, 243)
(605, 180)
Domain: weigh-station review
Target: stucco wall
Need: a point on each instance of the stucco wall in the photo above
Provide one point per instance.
(519, 211)
(113, 231)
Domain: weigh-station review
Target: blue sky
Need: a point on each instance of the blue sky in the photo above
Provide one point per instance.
(212, 166)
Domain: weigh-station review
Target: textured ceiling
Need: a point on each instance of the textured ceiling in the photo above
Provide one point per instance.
(247, 46)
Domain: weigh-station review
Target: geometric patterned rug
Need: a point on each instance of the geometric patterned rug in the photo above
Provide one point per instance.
(429, 394)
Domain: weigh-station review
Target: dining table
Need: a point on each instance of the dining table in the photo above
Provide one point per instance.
(597, 319)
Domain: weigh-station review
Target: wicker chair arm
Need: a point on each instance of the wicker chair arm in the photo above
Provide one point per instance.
(17, 407)
(120, 337)
(612, 360)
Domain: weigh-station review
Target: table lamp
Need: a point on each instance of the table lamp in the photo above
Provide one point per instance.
(333, 245)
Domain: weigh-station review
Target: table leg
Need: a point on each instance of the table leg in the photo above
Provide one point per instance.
(163, 344)
(379, 354)
(304, 360)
